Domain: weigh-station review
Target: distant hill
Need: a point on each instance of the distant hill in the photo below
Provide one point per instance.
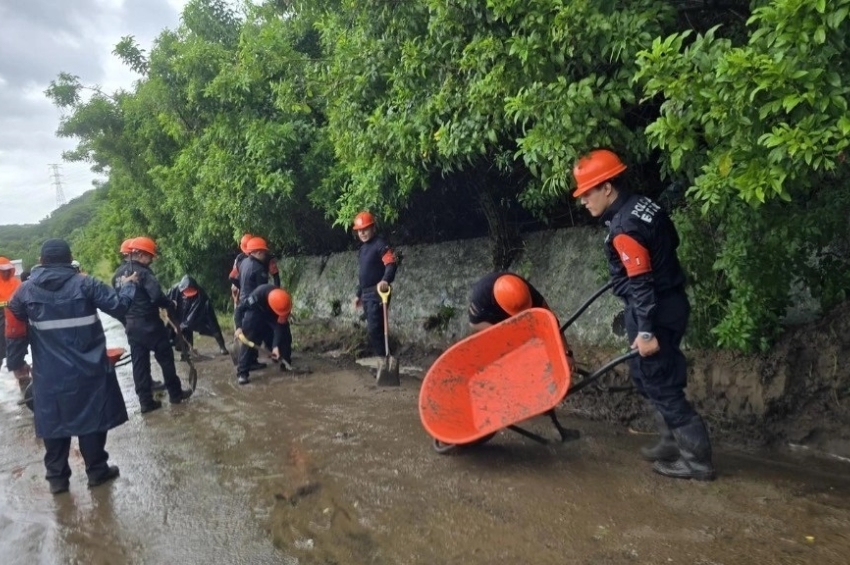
(24, 241)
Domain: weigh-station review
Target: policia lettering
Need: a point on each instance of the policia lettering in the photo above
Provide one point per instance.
(644, 267)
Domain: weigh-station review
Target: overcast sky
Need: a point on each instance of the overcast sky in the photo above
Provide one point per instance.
(38, 40)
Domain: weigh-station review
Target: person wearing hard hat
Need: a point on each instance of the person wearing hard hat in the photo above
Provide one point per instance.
(377, 267)
(146, 331)
(644, 267)
(253, 273)
(8, 285)
(498, 296)
(235, 276)
(262, 317)
(124, 267)
(195, 313)
(75, 390)
(234, 271)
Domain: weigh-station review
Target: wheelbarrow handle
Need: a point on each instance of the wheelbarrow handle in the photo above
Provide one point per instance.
(601, 371)
(385, 296)
(586, 304)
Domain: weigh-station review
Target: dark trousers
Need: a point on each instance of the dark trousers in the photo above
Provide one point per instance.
(92, 448)
(140, 352)
(261, 332)
(374, 311)
(662, 377)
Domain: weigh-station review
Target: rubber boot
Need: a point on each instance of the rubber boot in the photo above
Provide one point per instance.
(666, 449)
(694, 460)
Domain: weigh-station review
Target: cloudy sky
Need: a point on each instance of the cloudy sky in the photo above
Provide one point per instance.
(39, 39)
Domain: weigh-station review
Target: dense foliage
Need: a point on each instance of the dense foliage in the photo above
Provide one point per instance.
(286, 119)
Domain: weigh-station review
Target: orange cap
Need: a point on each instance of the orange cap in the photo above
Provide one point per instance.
(512, 294)
(244, 241)
(256, 244)
(145, 244)
(595, 168)
(363, 220)
(280, 302)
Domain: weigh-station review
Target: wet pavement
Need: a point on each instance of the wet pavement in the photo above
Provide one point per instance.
(325, 468)
(170, 504)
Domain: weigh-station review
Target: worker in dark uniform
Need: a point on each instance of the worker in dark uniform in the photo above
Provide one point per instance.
(146, 331)
(234, 271)
(644, 267)
(76, 391)
(235, 277)
(195, 313)
(263, 318)
(376, 268)
(498, 296)
(253, 273)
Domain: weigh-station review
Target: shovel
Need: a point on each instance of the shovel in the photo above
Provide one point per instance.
(186, 351)
(284, 365)
(388, 367)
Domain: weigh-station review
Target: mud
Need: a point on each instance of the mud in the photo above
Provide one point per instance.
(324, 468)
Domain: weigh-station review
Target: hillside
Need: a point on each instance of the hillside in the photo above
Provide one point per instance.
(24, 241)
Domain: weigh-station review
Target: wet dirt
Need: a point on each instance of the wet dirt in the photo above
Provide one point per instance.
(326, 468)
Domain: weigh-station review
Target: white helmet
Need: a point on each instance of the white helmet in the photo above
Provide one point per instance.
(75, 264)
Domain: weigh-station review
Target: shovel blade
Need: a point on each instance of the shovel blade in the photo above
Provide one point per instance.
(234, 351)
(28, 397)
(193, 378)
(388, 372)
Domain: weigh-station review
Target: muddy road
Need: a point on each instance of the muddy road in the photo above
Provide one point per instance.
(325, 468)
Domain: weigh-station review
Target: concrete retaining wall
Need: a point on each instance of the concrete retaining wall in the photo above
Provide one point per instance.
(430, 295)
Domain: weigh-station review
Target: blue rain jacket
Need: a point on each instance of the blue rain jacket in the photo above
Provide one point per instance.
(75, 390)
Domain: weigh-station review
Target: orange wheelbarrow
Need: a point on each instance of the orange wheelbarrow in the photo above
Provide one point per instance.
(116, 356)
(496, 378)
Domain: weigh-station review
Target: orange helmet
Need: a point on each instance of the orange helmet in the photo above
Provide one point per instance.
(280, 302)
(256, 244)
(126, 246)
(244, 241)
(363, 220)
(6, 265)
(512, 294)
(190, 291)
(595, 168)
(145, 244)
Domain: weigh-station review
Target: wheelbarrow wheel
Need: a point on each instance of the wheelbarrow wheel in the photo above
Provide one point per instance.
(446, 448)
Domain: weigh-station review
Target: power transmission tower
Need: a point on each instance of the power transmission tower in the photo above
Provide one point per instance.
(57, 183)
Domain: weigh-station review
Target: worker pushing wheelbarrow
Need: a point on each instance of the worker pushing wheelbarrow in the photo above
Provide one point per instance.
(505, 373)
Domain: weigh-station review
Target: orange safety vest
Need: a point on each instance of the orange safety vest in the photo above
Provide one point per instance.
(7, 289)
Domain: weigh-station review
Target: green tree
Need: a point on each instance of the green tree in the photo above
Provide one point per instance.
(760, 130)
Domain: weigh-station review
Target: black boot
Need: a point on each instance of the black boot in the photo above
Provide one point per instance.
(111, 473)
(694, 460)
(149, 406)
(184, 395)
(666, 448)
